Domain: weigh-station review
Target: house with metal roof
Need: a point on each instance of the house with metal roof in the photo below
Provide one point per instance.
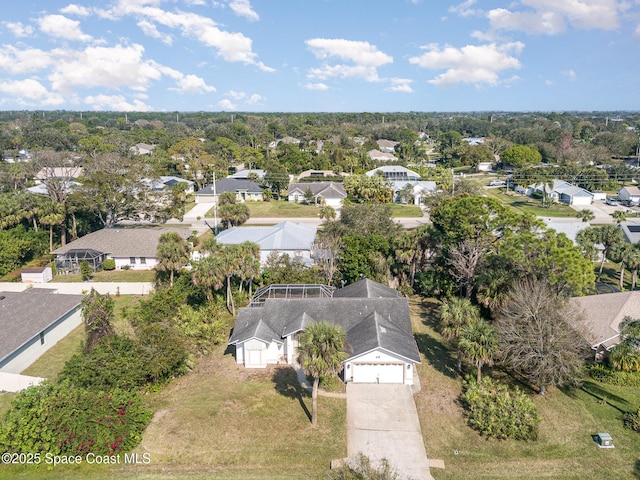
(293, 239)
(131, 248)
(381, 347)
(32, 321)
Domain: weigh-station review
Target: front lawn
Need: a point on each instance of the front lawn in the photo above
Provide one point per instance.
(399, 210)
(565, 448)
(280, 208)
(523, 204)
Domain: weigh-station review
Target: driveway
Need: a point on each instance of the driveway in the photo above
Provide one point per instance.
(382, 422)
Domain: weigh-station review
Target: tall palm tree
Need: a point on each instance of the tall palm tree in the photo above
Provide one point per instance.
(249, 264)
(479, 343)
(321, 352)
(607, 236)
(455, 313)
(619, 216)
(622, 253)
(172, 253)
(207, 273)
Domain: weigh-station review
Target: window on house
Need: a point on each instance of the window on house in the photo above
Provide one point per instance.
(132, 260)
(143, 260)
(41, 338)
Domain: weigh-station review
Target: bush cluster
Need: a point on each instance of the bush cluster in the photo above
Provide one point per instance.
(632, 420)
(500, 412)
(605, 374)
(109, 264)
(63, 419)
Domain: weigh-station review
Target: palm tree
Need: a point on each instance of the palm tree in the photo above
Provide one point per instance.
(321, 352)
(249, 264)
(455, 313)
(625, 357)
(619, 216)
(206, 273)
(478, 343)
(607, 236)
(622, 253)
(633, 263)
(172, 253)
(586, 215)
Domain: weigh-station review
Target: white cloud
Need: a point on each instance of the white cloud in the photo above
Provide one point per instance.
(151, 30)
(254, 99)
(464, 9)
(232, 47)
(29, 60)
(73, 9)
(570, 74)
(62, 27)
(243, 8)
(478, 64)
(364, 58)
(552, 16)
(18, 29)
(316, 86)
(194, 84)
(400, 85)
(117, 103)
(110, 67)
(227, 104)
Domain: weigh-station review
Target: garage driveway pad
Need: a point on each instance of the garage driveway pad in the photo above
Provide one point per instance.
(382, 422)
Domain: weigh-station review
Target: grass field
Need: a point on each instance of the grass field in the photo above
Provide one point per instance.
(565, 449)
(112, 276)
(523, 204)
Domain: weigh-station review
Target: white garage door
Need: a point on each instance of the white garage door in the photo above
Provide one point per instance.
(378, 372)
(581, 200)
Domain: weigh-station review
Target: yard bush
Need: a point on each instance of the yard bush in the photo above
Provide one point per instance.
(109, 264)
(605, 374)
(498, 412)
(632, 420)
(66, 420)
(202, 327)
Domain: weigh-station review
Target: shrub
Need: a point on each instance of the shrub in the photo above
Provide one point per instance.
(498, 412)
(632, 420)
(364, 469)
(605, 374)
(85, 270)
(109, 264)
(66, 420)
(202, 327)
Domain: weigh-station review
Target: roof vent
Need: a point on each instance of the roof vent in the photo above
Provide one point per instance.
(383, 330)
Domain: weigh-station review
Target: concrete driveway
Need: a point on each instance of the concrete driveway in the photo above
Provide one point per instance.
(382, 422)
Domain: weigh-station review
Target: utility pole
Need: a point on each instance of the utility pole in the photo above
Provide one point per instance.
(215, 205)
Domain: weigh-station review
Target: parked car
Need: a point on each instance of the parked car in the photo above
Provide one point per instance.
(496, 183)
(611, 201)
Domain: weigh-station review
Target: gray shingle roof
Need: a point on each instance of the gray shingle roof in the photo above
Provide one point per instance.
(23, 315)
(123, 242)
(319, 189)
(231, 185)
(283, 236)
(372, 315)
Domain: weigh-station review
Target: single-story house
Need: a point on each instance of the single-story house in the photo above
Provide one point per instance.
(419, 190)
(62, 173)
(161, 183)
(36, 274)
(388, 146)
(603, 315)
(381, 346)
(484, 167)
(32, 321)
(131, 248)
(394, 173)
(473, 141)
(321, 174)
(629, 193)
(294, 239)
(376, 154)
(41, 188)
(564, 192)
(243, 189)
(245, 174)
(331, 194)
(570, 229)
(142, 149)
(631, 231)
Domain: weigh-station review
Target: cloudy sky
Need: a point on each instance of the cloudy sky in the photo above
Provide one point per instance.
(320, 55)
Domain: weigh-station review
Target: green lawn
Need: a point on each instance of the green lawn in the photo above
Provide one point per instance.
(565, 449)
(398, 210)
(523, 204)
(281, 208)
(112, 276)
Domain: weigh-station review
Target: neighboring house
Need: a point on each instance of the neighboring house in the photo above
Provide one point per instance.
(387, 146)
(631, 231)
(570, 229)
(473, 141)
(32, 322)
(294, 239)
(41, 189)
(602, 317)
(381, 346)
(484, 167)
(381, 156)
(331, 194)
(629, 193)
(321, 174)
(394, 173)
(287, 139)
(61, 173)
(142, 149)
(564, 192)
(36, 274)
(244, 174)
(243, 189)
(419, 190)
(131, 248)
(161, 183)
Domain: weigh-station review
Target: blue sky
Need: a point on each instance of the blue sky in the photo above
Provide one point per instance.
(320, 55)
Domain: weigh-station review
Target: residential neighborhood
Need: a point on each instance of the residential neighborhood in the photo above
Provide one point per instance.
(372, 310)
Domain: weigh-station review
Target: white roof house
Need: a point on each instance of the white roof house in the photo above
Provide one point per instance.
(381, 156)
(331, 194)
(294, 239)
(394, 173)
(419, 189)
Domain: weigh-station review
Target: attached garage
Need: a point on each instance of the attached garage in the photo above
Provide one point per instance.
(378, 372)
